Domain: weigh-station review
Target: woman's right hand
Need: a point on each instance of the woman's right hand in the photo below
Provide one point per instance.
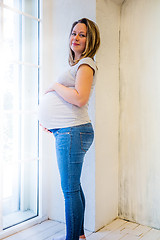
(50, 89)
(45, 129)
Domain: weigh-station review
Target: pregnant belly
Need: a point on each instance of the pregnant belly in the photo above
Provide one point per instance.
(53, 108)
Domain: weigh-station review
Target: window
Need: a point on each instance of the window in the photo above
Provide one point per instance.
(19, 133)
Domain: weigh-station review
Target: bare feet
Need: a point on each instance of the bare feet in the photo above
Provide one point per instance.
(82, 237)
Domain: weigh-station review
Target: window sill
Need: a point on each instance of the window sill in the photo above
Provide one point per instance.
(22, 226)
(17, 217)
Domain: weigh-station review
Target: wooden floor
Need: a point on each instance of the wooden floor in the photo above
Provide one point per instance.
(118, 229)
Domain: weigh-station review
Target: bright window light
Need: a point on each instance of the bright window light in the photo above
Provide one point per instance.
(19, 133)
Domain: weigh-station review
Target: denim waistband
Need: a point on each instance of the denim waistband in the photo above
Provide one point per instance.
(81, 127)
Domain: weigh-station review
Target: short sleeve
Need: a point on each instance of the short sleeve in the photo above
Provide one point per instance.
(88, 61)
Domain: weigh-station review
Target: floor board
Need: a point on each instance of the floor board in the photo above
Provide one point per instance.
(117, 230)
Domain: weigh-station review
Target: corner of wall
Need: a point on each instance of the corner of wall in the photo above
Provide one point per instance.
(107, 113)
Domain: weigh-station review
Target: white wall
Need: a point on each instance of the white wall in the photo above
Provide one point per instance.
(46, 143)
(107, 112)
(58, 17)
(139, 178)
(100, 172)
(140, 112)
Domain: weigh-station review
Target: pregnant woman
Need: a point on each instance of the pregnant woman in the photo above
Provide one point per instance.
(64, 112)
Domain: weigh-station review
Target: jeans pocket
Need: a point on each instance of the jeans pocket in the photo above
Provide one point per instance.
(63, 140)
(64, 131)
(86, 140)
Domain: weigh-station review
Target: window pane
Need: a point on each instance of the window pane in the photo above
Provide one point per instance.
(11, 36)
(26, 6)
(29, 137)
(13, 3)
(20, 205)
(30, 7)
(29, 100)
(9, 106)
(29, 40)
(19, 149)
(20, 35)
(18, 107)
(29, 186)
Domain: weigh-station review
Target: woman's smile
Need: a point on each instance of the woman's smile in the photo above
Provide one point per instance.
(75, 44)
(78, 39)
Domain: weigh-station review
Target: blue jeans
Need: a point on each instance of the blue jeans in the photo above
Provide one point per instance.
(72, 143)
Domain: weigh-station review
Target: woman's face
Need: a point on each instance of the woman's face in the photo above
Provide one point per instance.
(78, 39)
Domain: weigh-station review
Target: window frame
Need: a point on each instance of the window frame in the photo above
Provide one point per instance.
(38, 66)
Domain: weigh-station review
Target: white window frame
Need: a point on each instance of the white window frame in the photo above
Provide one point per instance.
(42, 215)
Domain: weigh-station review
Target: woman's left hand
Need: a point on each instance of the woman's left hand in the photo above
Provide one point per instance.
(79, 95)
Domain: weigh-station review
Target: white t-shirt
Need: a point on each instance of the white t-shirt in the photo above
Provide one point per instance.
(55, 112)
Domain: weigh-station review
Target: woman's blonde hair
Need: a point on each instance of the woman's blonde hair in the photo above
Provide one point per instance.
(92, 40)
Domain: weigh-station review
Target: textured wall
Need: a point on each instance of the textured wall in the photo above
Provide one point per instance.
(139, 178)
(139, 194)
